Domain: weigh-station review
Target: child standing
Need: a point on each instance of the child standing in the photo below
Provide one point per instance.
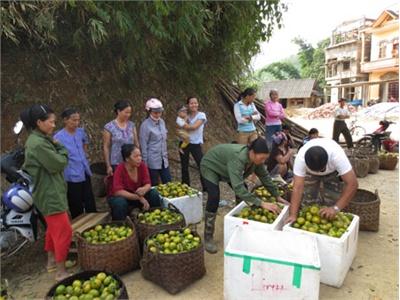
(181, 121)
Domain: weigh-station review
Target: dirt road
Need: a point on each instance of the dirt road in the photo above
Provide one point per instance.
(373, 275)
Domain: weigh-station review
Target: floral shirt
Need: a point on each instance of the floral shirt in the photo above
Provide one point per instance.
(119, 137)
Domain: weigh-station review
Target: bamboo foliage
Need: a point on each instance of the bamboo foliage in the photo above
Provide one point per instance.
(189, 42)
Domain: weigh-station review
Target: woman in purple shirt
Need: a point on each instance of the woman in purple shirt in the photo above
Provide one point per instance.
(77, 173)
(118, 132)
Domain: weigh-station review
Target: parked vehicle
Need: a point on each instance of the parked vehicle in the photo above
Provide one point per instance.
(374, 141)
(18, 216)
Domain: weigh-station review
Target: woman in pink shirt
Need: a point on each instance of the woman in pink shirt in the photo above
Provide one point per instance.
(274, 115)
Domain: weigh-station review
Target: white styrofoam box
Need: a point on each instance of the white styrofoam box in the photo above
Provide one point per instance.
(230, 222)
(190, 206)
(261, 264)
(336, 254)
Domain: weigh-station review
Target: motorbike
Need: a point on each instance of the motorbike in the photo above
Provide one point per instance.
(374, 141)
(18, 216)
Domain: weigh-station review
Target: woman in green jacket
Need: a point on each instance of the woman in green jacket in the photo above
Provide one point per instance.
(45, 160)
(232, 163)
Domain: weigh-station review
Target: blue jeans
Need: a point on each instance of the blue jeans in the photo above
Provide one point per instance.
(163, 173)
(269, 131)
(120, 206)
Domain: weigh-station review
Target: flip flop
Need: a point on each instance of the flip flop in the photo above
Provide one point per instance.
(68, 264)
(51, 269)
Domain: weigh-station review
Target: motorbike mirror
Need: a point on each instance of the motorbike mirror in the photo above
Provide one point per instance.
(18, 127)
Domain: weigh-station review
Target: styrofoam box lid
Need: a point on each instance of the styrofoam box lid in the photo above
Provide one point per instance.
(277, 245)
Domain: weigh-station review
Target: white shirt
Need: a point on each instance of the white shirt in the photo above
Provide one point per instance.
(196, 136)
(337, 159)
(341, 111)
(180, 122)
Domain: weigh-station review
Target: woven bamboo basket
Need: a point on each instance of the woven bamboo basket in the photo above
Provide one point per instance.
(117, 257)
(144, 230)
(388, 163)
(373, 164)
(174, 272)
(86, 275)
(360, 166)
(366, 205)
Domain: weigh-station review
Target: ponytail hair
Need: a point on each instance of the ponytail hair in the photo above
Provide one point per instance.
(246, 92)
(31, 115)
(259, 145)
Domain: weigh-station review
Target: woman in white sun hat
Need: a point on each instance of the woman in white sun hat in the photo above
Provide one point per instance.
(153, 142)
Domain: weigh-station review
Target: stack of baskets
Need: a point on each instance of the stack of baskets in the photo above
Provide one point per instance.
(360, 162)
(366, 205)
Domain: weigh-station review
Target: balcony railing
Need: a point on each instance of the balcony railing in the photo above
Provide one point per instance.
(385, 63)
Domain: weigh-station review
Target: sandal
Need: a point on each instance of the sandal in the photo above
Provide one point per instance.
(68, 265)
(51, 269)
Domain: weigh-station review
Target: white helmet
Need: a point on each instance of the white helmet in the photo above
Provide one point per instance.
(154, 104)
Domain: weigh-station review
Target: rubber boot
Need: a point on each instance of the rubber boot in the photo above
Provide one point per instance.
(209, 226)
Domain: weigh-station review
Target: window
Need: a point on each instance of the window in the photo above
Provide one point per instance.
(382, 49)
(393, 91)
(334, 69)
(349, 93)
(395, 48)
(346, 65)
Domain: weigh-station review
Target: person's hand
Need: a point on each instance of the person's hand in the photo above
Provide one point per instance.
(110, 171)
(271, 207)
(290, 219)
(146, 204)
(283, 201)
(141, 191)
(328, 213)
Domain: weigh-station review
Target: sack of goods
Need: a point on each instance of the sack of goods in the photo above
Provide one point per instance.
(89, 285)
(261, 264)
(337, 241)
(157, 219)
(255, 217)
(188, 200)
(113, 247)
(173, 259)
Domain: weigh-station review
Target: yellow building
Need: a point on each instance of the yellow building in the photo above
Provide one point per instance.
(381, 61)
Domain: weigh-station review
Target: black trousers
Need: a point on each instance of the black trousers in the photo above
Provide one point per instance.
(197, 153)
(341, 127)
(213, 196)
(80, 197)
